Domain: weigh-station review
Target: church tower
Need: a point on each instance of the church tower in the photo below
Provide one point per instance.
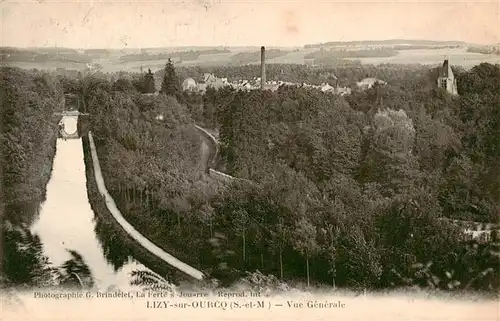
(446, 79)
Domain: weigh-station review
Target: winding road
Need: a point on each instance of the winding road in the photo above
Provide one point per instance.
(211, 159)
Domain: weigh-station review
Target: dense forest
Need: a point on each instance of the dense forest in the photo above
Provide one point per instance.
(342, 190)
(426, 47)
(421, 125)
(243, 58)
(29, 132)
(367, 177)
(181, 55)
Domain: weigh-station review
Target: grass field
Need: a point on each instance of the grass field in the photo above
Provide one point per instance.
(457, 56)
(294, 57)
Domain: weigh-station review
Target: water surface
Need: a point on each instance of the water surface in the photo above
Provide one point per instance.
(67, 222)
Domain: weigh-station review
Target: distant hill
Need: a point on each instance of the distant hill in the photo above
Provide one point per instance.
(181, 55)
(379, 52)
(40, 55)
(183, 48)
(243, 58)
(49, 50)
(388, 42)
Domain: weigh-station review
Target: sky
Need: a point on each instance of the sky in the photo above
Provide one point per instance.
(154, 23)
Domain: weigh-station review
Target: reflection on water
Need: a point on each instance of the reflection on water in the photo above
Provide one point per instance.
(66, 221)
(112, 246)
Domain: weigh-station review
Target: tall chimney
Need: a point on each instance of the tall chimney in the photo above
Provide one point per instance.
(262, 67)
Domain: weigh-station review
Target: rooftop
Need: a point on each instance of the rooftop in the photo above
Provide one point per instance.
(445, 71)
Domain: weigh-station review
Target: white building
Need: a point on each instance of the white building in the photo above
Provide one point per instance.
(189, 84)
(327, 88)
(369, 82)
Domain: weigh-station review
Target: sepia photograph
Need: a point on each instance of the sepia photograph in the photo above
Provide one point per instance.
(249, 160)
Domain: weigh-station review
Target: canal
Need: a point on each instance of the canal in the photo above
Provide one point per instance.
(66, 221)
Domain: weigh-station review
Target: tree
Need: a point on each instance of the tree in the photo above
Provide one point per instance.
(24, 262)
(358, 258)
(123, 85)
(170, 85)
(305, 241)
(151, 281)
(149, 82)
(75, 272)
(279, 237)
(241, 220)
(330, 236)
(389, 158)
(209, 108)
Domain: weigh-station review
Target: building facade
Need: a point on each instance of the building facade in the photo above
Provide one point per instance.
(446, 79)
(189, 84)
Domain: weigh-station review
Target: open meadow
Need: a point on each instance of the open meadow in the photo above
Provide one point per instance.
(458, 56)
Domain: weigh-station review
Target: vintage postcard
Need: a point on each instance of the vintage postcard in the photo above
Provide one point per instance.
(249, 160)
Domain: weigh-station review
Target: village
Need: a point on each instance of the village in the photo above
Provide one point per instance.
(446, 80)
(211, 80)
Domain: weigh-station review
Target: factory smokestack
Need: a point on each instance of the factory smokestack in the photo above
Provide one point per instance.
(262, 67)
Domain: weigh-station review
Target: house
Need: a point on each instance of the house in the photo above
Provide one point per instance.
(273, 86)
(201, 86)
(327, 88)
(446, 79)
(189, 84)
(212, 81)
(342, 91)
(479, 231)
(245, 86)
(91, 66)
(209, 78)
(369, 82)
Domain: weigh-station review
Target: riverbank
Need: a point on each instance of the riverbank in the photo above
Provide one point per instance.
(20, 251)
(28, 140)
(41, 168)
(48, 158)
(114, 229)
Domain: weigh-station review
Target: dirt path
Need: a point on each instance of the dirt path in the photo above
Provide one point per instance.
(211, 143)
